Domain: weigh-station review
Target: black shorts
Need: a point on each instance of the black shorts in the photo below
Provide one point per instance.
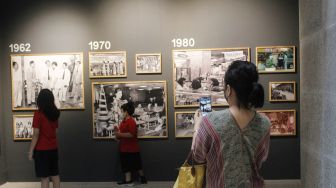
(130, 161)
(46, 163)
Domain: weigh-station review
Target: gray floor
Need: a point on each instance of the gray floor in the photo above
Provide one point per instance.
(269, 184)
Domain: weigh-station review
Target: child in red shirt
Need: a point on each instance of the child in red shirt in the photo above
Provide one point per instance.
(128, 145)
(43, 148)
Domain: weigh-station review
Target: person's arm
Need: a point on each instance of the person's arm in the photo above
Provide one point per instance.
(202, 141)
(33, 143)
(262, 150)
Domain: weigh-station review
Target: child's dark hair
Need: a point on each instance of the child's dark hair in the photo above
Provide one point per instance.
(128, 107)
(46, 104)
(243, 77)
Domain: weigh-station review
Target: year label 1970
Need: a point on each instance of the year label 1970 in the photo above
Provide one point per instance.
(100, 45)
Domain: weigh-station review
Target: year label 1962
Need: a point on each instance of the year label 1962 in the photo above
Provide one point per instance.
(183, 42)
(100, 45)
(20, 47)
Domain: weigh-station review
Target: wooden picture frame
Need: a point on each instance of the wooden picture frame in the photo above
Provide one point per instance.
(23, 130)
(282, 91)
(148, 63)
(149, 98)
(112, 64)
(276, 59)
(184, 124)
(283, 122)
(62, 73)
(200, 72)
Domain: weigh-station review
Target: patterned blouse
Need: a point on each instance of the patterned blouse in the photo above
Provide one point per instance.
(233, 156)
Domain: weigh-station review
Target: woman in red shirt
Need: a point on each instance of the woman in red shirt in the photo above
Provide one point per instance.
(43, 148)
(128, 145)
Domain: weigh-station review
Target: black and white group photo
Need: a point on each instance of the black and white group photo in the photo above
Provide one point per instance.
(61, 73)
(148, 97)
(184, 124)
(148, 63)
(199, 73)
(23, 127)
(282, 91)
(107, 64)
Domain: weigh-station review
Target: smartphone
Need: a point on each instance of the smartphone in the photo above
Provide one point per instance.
(205, 105)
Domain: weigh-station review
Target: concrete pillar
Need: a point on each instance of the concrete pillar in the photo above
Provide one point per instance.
(318, 93)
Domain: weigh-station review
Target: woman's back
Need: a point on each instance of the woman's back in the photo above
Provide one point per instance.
(232, 155)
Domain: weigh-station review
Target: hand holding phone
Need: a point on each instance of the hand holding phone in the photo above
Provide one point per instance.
(205, 105)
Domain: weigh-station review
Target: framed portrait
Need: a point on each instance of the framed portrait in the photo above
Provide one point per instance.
(148, 63)
(184, 124)
(283, 122)
(282, 91)
(150, 101)
(22, 127)
(275, 59)
(108, 64)
(60, 73)
(200, 72)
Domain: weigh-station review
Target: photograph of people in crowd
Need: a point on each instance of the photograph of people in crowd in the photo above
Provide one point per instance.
(200, 73)
(149, 98)
(282, 91)
(60, 73)
(107, 64)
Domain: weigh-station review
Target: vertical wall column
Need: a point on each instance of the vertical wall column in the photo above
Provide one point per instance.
(318, 92)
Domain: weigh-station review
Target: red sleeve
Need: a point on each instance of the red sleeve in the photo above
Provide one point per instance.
(36, 120)
(132, 128)
(202, 141)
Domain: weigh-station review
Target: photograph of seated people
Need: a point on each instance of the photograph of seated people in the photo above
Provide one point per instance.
(149, 114)
(200, 73)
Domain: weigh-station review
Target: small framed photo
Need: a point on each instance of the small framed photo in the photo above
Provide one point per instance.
(148, 63)
(275, 59)
(282, 91)
(283, 122)
(184, 124)
(108, 64)
(22, 127)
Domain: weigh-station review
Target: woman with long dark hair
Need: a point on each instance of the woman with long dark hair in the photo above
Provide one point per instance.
(43, 148)
(234, 142)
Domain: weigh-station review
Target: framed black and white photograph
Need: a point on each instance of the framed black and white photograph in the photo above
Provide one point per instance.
(275, 59)
(148, 63)
(61, 73)
(22, 127)
(108, 64)
(282, 91)
(200, 72)
(184, 124)
(149, 98)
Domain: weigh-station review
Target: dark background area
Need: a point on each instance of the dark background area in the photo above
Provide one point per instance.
(139, 26)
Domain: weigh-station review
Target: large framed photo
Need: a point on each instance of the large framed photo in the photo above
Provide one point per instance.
(200, 72)
(283, 122)
(22, 127)
(61, 73)
(282, 91)
(275, 59)
(184, 124)
(149, 98)
(148, 63)
(108, 64)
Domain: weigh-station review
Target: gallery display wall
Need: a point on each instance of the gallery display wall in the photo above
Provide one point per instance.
(66, 28)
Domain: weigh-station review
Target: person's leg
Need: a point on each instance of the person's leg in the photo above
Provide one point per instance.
(128, 176)
(56, 181)
(45, 182)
